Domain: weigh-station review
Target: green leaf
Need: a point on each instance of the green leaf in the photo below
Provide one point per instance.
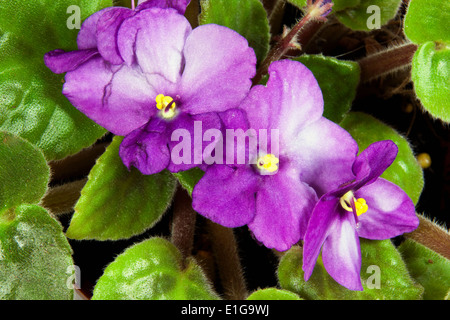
(338, 81)
(273, 294)
(430, 74)
(24, 173)
(357, 16)
(189, 178)
(34, 256)
(151, 270)
(118, 204)
(405, 171)
(428, 268)
(247, 17)
(384, 276)
(32, 104)
(338, 5)
(427, 20)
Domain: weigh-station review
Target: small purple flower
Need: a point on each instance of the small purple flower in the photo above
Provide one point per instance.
(366, 206)
(144, 73)
(273, 194)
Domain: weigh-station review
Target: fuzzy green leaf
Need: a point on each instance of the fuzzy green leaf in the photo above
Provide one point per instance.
(428, 268)
(247, 17)
(358, 16)
(35, 256)
(338, 81)
(431, 76)
(24, 173)
(189, 178)
(273, 294)
(405, 171)
(151, 270)
(118, 204)
(32, 105)
(384, 276)
(427, 20)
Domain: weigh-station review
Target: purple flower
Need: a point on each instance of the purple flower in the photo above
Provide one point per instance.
(144, 73)
(366, 206)
(274, 192)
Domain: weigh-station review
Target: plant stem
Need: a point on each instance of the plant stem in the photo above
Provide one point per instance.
(183, 224)
(431, 236)
(227, 259)
(280, 48)
(62, 199)
(386, 61)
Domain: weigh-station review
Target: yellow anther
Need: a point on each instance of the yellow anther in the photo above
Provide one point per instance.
(268, 163)
(360, 204)
(167, 106)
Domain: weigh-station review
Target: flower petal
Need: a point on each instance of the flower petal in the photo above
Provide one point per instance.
(87, 36)
(317, 231)
(341, 253)
(194, 127)
(325, 153)
(283, 208)
(373, 161)
(219, 68)
(226, 195)
(116, 97)
(154, 39)
(59, 61)
(391, 212)
(146, 148)
(291, 100)
(179, 5)
(107, 26)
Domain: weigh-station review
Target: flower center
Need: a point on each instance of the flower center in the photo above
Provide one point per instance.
(167, 106)
(268, 163)
(360, 204)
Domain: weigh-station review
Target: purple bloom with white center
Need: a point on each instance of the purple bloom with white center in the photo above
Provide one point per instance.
(366, 206)
(144, 73)
(274, 194)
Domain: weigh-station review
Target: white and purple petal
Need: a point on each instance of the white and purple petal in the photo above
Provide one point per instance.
(226, 195)
(322, 218)
(154, 39)
(283, 208)
(341, 253)
(219, 66)
(291, 100)
(325, 153)
(391, 212)
(179, 5)
(116, 97)
(373, 161)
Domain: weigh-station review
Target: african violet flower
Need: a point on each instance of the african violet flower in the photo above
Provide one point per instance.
(273, 192)
(366, 206)
(144, 73)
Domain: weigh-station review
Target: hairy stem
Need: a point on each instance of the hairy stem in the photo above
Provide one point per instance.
(280, 48)
(62, 199)
(227, 258)
(183, 224)
(431, 236)
(386, 61)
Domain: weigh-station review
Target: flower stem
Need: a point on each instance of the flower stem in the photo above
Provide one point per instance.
(314, 12)
(431, 236)
(386, 61)
(227, 259)
(62, 199)
(183, 224)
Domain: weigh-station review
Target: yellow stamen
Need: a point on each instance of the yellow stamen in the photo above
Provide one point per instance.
(268, 163)
(167, 106)
(360, 204)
